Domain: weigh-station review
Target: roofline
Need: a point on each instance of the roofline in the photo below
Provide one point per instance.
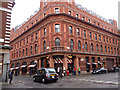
(64, 15)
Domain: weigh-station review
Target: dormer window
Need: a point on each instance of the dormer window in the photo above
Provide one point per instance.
(70, 13)
(56, 10)
(83, 18)
(76, 15)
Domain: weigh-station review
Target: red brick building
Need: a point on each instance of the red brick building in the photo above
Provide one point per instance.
(64, 34)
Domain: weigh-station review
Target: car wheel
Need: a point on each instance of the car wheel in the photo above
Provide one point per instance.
(34, 79)
(43, 81)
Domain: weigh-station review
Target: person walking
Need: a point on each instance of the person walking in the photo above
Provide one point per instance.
(64, 71)
(79, 70)
(58, 71)
(74, 70)
(10, 76)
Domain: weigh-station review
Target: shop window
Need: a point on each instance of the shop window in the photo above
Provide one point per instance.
(57, 42)
(57, 28)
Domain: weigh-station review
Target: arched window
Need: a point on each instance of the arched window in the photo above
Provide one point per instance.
(79, 45)
(44, 44)
(57, 42)
(91, 47)
(97, 48)
(101, 48)
(71, 44)
(108, 50)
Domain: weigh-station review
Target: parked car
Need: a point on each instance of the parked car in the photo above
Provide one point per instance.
(45, 74)
(100, 71)
(113, 69)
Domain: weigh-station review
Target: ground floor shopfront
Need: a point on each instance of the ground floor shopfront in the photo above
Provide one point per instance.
(87, 63)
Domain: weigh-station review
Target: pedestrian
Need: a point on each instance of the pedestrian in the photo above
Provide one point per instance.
(74, 70)
(10, 76)
(64, 71)
(30, 72)
(58, 71)
(61, 72)
(67, 72)
(79, 70)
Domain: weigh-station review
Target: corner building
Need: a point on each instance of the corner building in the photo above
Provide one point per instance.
(63, 34)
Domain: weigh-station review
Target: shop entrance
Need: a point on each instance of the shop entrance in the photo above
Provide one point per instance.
(58, 62)
(24, 68)
(87, 64)
(70, 62)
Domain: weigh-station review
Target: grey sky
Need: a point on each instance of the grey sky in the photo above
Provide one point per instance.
(24, 8)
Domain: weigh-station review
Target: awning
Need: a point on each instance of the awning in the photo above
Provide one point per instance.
(16, 67)
(58, 60)
(23, 66)
(69, 60)
(11, 68)
(94, 63)
(89, 63)
(32, 65)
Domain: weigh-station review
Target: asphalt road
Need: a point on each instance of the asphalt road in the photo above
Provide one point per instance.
(109, 80)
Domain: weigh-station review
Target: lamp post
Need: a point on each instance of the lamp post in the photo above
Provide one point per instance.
(6, 80)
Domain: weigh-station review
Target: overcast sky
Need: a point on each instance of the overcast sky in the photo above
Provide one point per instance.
(24, 8)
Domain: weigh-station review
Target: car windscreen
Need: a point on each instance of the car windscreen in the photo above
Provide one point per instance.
(50, 70)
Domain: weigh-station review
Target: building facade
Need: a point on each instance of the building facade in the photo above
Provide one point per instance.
(64, 34)
(5, 21)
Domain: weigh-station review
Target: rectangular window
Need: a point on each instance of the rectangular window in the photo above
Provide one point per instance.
(56, 10)
(84, 32)
(35, 48)
(57, 28)
(113, 41)
(44, 14)
(100, 37)
(86, 47)
(70, 29)
(27, 40)
(36, 36)
(103, 38)
(31, 37)
(31, 50)
(26, 51)
(97, 48)
(105, 49)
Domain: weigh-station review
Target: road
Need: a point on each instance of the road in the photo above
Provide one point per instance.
(109, 80)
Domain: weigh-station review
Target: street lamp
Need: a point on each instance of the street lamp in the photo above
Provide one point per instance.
(6, 80)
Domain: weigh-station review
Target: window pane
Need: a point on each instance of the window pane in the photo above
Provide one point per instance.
(57, 28)
(57, 42)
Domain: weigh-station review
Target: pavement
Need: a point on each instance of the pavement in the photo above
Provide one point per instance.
(109, 80)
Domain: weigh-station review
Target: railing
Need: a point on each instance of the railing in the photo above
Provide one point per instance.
(58, 48)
